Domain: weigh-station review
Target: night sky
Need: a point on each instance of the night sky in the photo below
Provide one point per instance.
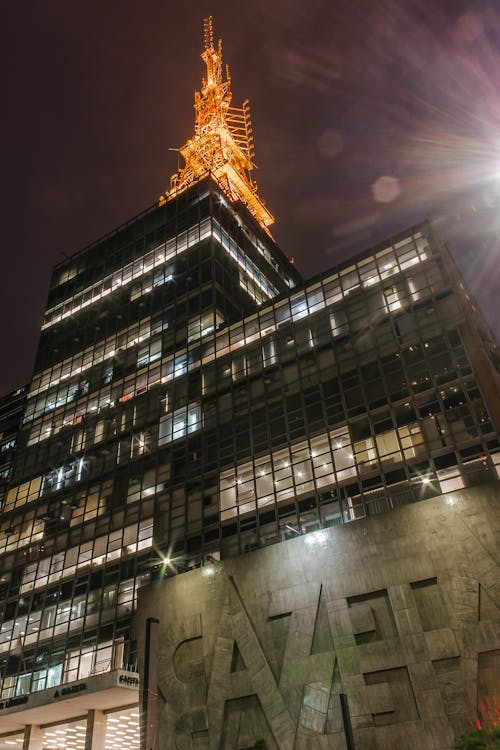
(368, 116)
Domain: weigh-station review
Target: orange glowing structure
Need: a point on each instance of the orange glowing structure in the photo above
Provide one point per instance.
(222, 145)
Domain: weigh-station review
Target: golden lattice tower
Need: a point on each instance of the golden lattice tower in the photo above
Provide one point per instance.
(222, 145)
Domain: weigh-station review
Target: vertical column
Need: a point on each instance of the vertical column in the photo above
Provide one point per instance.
(118, 649)
(149, 692)
(346, 718)
(33, 737)
(95, 736)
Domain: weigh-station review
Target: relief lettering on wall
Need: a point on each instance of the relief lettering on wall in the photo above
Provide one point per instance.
(262, 647)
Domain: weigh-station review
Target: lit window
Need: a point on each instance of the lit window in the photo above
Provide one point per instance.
(66, 274)
(181, 422)
(23, 493)
(149, 353)
(8, 445)
(203, 324)
(163, 276)
(391, 299)
(415, 288)
(299, 308)
(338, 323)
(349, 279)
(99, 431)
(64, 476)
(139, 445)
(450, 479)
(387, 264)
(268, 353)
(178, 365)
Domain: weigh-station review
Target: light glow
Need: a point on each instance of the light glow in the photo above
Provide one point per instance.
(222, 145)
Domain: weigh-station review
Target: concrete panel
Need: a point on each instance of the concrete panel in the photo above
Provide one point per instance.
(399, 612)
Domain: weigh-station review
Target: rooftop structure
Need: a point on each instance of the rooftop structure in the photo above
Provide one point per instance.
(222, 144)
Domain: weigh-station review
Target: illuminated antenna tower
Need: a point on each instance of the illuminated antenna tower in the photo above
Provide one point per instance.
(222, 145)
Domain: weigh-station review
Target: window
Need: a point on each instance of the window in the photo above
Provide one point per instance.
(90, 503)
(386, 261)
(67, 273)
(203, 324)
(368, 272)
(279, 476)
(64, 476)
(407, 253)
(388, 446)
(8, 445)
(349, 279)
(391, 299)
(24, 493)
(178, 366)
(299, 307)
(338, 323)
(140, 444)
(16, 536)
(450, 479)
(163, 276)
(95, 552)
(238, 367)
(99, 431)
(78, 440)
(332, 290)
(181, 422)
(149, 353)
(268, 353)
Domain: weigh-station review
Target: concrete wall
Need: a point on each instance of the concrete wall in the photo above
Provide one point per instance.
(399, 612)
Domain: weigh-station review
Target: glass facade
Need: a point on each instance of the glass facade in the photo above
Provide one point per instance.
(193, 399)
(12, 407)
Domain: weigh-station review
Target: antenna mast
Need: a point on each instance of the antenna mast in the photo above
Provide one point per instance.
(222, 144)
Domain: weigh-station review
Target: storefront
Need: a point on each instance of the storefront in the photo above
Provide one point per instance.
(98, 713)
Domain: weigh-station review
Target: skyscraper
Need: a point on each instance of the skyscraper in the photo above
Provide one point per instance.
(194, 399)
